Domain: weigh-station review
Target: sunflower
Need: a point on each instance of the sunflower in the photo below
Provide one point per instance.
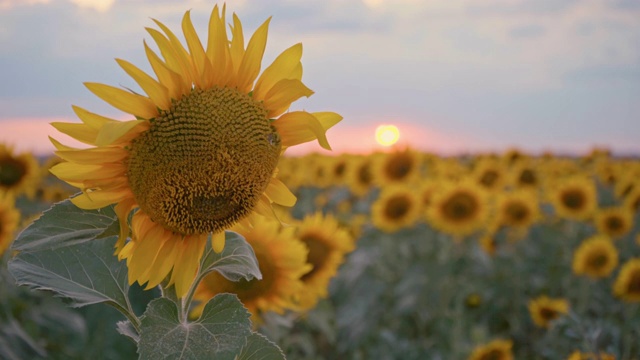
(544, 310)
(525, 175)
(19, 173)
(596, 257)
(360, 175)
(282, 261)
(200, 155)
(490, 174)
(627, 284)
(397, 207)
(614, 221)
(632, 200)
(328, 244)
(401, 166)
(459, 208)
(338, 167)
(577, 355)
(495, 350)
(574, 198)
(518, 209)
(9, 220)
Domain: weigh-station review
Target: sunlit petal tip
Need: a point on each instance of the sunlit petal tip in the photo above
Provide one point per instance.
(131, 103)
(279, 193)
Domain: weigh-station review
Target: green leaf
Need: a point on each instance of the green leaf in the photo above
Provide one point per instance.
(235, 262)
(59, 252)
(63, 225)
(258, 347)
(219, 333)
(86, 273)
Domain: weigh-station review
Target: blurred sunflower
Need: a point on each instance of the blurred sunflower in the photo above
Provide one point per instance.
(577, 355)
(458, 208)
(360, 175)
(328, 244)
(627, 284)
(574, 198)
(614, 221)
(339, 166)
(426, 190)
(544, 310)
(488, 243)
(397, 207)
(19, 173)
(282, 261)
(525, 175)
(402, 166)
(490, 174)
(9, 221)
(495, 350)
(518, 209)
(632, 200)
(201, 155)
(596, 257)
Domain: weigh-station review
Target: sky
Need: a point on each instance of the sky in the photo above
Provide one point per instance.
(455, 76)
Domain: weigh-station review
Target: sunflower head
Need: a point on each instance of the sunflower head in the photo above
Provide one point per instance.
(397, 167)
(495, 350)
(328, 245)
(282, 261)
(614, 221)
(360, 175)
(19, 173)
(627, 284)
(574, 198)
(544, 310)
(397, 207)
(518, 209)
(596, 257)
(201, 150)
(460, 208)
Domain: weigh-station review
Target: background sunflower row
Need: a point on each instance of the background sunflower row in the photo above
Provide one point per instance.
(407, 254)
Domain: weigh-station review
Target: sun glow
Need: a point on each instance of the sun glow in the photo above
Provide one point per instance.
(387, 135)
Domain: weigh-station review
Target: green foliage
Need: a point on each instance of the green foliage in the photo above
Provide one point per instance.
(219, 333)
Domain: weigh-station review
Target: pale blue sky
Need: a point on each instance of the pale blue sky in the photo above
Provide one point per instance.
(480, 74)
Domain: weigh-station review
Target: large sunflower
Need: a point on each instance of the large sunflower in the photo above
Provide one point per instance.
(200, 155)
(282, 261)
(328, 244)
(458, 208)
(19, 173)
(495, 350)
(9, 219)
(627, 284)
(596, 257)
(544, 310)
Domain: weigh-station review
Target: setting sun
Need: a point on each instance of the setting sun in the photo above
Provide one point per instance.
(387, 135)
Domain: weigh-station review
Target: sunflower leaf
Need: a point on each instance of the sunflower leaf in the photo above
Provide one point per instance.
(63, 225)
(258, 347)
(59, 252)
(219, 333)
(235, 262)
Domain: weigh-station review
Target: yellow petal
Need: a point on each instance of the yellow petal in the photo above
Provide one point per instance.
(79, 172)
(195, 48)
(99, 199)
(218, 48)
(279, 193)
(171, 79)
(187, 264)
(237, 44)
(90, 119)
(164, 263)
(263, 207)
(80, 132)
(282, 94)
(131, 103)
(146, 253)
(157, 92)
(93, 155)
(298, 127)
(182, 55)
(327, 118)
(283, 67)
(252, 59)
(122, 210)
(218, 241)
(115, 130)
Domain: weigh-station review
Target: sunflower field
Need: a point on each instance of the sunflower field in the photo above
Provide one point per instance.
(391, 255)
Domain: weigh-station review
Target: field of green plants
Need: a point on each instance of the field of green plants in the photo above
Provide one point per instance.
(391, 255)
